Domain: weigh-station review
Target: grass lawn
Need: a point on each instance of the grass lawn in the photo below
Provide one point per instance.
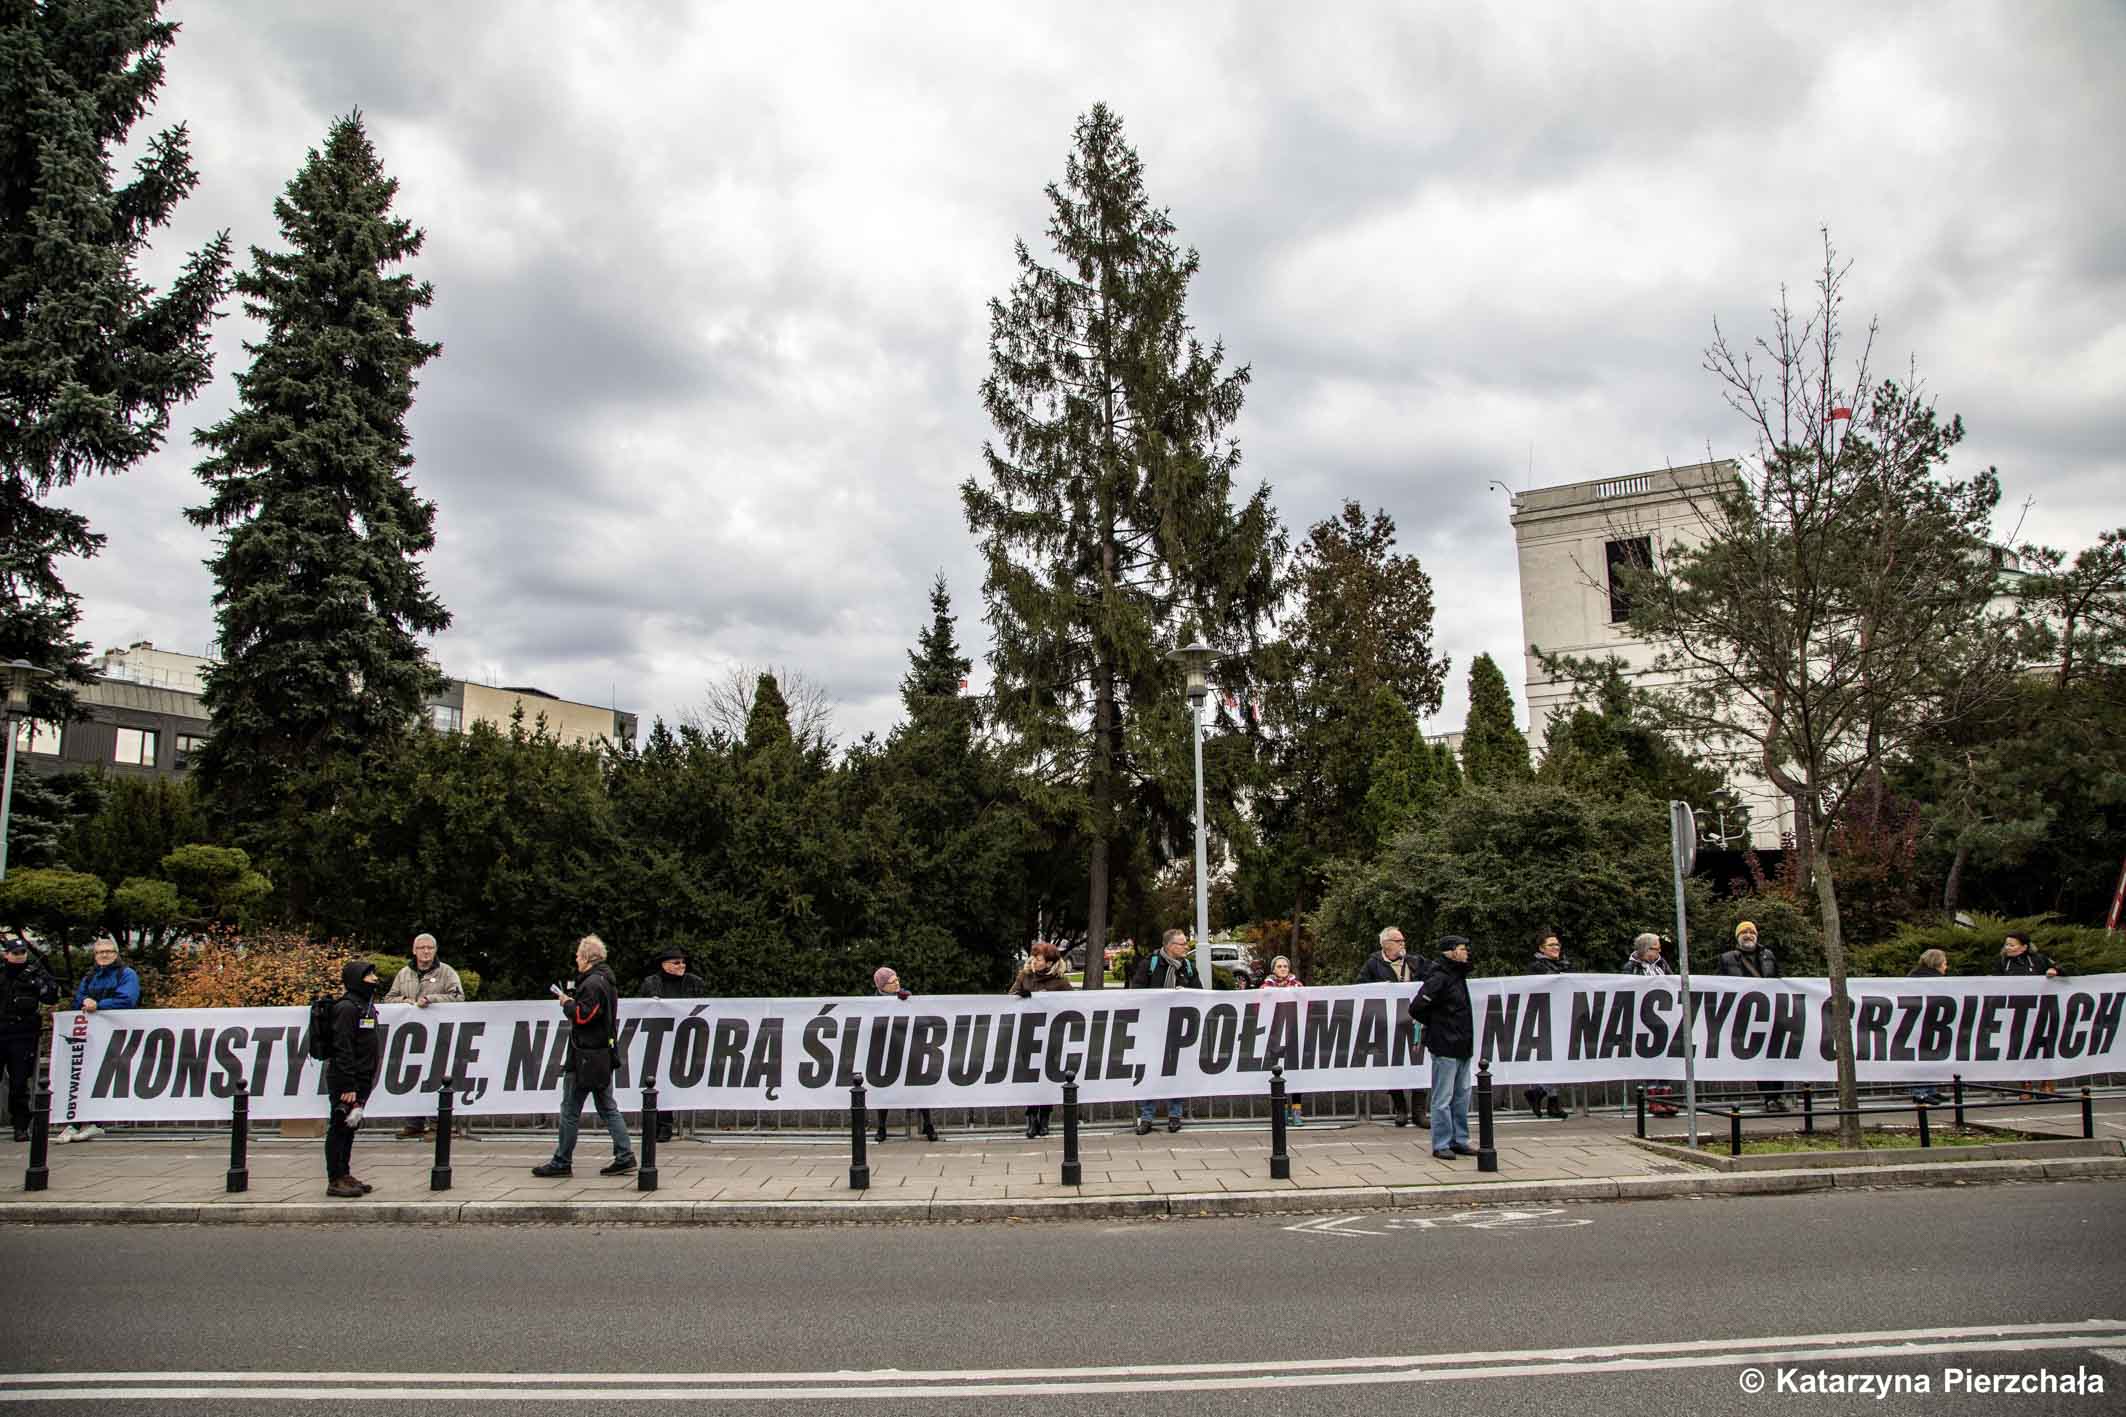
(1879, 1138)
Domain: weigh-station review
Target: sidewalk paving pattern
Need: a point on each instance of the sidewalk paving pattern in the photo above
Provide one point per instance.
(1206, 1169)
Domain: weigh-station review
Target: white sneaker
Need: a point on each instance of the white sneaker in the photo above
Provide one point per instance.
(88, 1133)
(70, 1134)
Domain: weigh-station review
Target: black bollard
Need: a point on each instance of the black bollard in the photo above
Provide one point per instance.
(1487, 1156)
(239, 1141)
(646, 1171)
(1642, 1114)
(1734, 1132)
(859, 1168)
(1956, 1089)
(1073, 1173)
(1280, 1161)
(439, 1170)
(39, 1174)
(1808, 1110)
(2088, 1117)
(1926, 1133)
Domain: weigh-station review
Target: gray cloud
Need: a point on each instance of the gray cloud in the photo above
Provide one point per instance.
(711, 281)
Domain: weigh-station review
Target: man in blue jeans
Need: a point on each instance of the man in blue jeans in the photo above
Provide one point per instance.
(1168, 967)
(1449, 1024)
(592, 1006)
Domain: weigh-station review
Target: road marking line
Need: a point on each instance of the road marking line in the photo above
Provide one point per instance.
(2079, 1333)
(352, 1393)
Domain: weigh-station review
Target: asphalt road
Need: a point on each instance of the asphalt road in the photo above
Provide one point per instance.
(1485, 1310)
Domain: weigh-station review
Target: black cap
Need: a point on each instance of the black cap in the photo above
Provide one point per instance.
(670, 953)
(1452, 942)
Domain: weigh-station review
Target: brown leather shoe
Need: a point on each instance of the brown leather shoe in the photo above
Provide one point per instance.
(344, 1188)
(366, 1187)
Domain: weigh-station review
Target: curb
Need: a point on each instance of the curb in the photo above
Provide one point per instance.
(971, 1211)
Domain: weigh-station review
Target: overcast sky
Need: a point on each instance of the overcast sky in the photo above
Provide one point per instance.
(711, 281)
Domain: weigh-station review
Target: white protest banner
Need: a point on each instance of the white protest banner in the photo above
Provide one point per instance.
(987, 1051)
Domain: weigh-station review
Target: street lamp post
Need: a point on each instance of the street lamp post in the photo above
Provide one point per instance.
(20, 675)
(1196, 659)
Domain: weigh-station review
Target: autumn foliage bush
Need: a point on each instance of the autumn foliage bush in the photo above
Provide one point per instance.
(228, 970)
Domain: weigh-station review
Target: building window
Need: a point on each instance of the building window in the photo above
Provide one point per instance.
(447, 719)
(37, 735)
(137, 747)
(1632, 553)
(188, 746)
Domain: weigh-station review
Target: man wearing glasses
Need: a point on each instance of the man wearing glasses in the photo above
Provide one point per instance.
(110, 985)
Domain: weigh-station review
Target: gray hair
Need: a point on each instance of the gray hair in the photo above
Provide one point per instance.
(1645, 942)
(1172, 935)
(592, 946)
(424, 938)
(1934, 959)
(1389, 930)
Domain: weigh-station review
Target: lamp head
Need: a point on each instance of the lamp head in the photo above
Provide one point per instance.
(1196, 661)
(21, 674)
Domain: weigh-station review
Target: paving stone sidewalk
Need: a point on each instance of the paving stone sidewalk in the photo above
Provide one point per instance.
(1206, 1169)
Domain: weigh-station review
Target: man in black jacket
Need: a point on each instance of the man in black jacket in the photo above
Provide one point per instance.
(1549, 959)
(357, 1049)
(1391, 964)
(671, 979)
(1442, 1010)
(25, 989)
(2018, 958)
(1751, 960)
(592, 1007)
(1168, 967)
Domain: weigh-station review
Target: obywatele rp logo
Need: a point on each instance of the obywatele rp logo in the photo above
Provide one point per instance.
(77, 1043)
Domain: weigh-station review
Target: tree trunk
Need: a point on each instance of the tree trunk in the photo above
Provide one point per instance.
(1103, 793)
(1953, 887)
(1841, 1008)
(1804, 844)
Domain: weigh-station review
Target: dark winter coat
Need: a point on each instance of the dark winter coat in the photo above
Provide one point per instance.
(1544, 964)
(1156, 971)
(357, 1036)
(659, 985)
(2028, 962)
(1377, 970)
(1741, 964)
(1443, 1010)
(1922, 972)
(24, 988)
(112, 986)
(593, 1010)
(1654, 968)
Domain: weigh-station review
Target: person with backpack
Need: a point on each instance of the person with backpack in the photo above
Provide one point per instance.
(592, 1006)
(1169, 967)
(1442, 1009)
(357, 1049)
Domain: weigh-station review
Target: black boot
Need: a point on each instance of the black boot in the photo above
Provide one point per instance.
(1033, 1126)
(930, 1131)
(1557, 1110)
(881, 1131)
(1535, 1100)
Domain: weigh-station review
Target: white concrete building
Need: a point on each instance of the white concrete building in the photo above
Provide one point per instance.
(1570, 540)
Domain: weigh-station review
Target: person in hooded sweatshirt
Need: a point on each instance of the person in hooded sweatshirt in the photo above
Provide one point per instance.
(357, 1048)
(1443, 1011)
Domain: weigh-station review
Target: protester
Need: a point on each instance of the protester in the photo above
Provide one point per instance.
(1391, 964)
(1646, 957)
(1549, 959)
(425, 981)
(2018, 958)
(357, 1050)
(1282, 977)
(1751, 960)
(110, 985)
(885, 981)
(671, 979)
(25, 989)
(1168, 967)
(1443, 1012)
(1045, 971)
(592, 1006)
(1933, 964)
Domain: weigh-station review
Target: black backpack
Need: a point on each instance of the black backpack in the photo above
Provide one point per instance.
(321, 1027)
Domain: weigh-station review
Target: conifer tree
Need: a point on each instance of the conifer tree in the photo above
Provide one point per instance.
(319, 594)
(1106, 514)
(1494, 752)
(92, 359)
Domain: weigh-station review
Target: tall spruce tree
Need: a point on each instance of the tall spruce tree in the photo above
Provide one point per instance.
(92, 359)
(320, 595)
(1106, 516)
(1494, 751)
